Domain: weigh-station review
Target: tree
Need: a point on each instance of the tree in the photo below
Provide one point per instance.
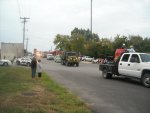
(80, 39)
(77, 43)
(119, 41)
(93, 49)
(62, 42)
(146, 45)
(106, 47)
(86, 34)
(136, 42)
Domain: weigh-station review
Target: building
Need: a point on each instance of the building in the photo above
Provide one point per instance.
(11, 50)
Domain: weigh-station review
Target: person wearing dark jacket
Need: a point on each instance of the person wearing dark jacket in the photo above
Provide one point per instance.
(33, 67)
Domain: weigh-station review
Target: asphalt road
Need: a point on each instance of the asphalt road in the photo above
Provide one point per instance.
(116, 95)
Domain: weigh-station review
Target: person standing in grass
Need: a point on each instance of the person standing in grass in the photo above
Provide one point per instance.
(33, 67)
(39, 68)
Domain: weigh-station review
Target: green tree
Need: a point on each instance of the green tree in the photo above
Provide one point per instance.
(119, 41)
(62, 42)
(77, 43)
(94, 49)
(106, 47)
(86, 34)
(146, 45)
(136, 42)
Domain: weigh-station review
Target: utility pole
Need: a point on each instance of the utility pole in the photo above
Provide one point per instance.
(24, 23)
(91, 19)
(27, 45)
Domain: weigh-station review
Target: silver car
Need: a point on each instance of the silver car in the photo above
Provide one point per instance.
(4, 62)
(57, 59)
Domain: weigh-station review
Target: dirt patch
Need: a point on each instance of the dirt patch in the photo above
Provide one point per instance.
(37, 97)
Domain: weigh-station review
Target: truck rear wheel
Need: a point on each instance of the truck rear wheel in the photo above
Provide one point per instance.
(106, 75)
(146, 80)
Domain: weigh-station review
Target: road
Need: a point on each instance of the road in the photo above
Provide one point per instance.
(116, 95)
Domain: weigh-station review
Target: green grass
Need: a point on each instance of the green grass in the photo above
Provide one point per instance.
(19, 93)
(13, 80)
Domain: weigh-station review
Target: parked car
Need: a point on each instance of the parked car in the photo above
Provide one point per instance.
(94, 61)
(57, 59)
(50, 57)
(87, 58)
(4, 62)
(23, 61)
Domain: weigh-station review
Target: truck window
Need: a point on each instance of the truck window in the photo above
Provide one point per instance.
(135, 58)
(125, 58)
(145, 57)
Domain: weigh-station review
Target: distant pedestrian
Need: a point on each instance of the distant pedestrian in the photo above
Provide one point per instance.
(33, 67)
(105, 61)
(39, 68)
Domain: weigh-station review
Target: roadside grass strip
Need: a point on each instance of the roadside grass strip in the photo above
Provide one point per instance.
(19, 93)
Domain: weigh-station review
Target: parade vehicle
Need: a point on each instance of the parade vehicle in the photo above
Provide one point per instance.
(69, 59)
(130, 64)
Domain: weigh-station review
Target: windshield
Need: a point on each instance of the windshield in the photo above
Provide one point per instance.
(145, 57)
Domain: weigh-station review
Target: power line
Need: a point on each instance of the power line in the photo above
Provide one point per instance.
(24, 23)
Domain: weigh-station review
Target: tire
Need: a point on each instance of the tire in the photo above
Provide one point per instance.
(28, 64)
(106, 75)
(146, 80)
(109, 75)
(62, 63)
(67, 63)
(5, 64)
(77, 64)
(18, 63)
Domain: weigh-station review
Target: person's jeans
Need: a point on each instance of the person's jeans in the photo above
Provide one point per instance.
(33, 72)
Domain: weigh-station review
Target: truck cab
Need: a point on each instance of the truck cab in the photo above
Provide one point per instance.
(130, 64)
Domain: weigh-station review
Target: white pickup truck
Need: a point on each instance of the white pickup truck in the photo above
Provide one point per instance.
(132, 65)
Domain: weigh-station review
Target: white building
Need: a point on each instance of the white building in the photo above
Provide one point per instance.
(11, 50)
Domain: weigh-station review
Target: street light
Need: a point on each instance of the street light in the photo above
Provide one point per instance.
(91, 19)
(51, 46)
(27, 46)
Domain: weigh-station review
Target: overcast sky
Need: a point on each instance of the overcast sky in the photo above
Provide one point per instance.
(51, 17)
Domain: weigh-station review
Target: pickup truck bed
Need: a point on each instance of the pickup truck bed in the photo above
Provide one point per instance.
(108, 69)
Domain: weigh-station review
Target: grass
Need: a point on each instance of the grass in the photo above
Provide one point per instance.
(19, 93)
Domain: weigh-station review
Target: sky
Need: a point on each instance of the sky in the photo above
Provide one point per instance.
(51, 17)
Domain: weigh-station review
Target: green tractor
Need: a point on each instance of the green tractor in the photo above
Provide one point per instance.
(70, 59)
